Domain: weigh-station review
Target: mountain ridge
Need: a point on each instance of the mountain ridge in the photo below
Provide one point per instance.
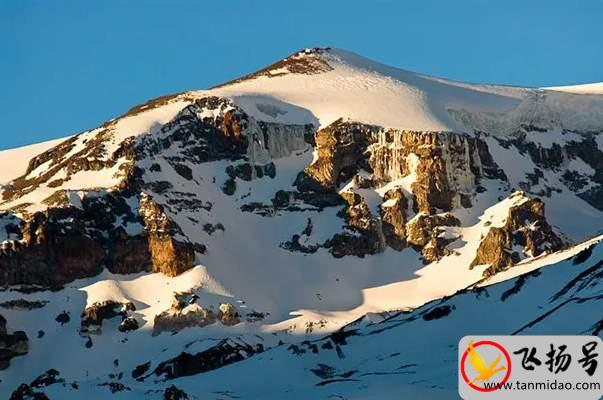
(284, 206)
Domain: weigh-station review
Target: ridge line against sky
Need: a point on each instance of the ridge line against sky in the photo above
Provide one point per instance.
(70, 65)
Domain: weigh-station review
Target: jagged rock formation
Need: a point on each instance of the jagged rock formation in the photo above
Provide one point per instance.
(394, 216)
(424, 233)
(526, 233)
(448, 166)
(170, 252)
(59, 245)
(444, 171)
(11, 345)
(125, 229)
(365, 236)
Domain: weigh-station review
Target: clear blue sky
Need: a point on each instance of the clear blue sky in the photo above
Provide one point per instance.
(66, 66)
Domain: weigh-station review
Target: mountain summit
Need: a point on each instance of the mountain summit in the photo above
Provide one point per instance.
(304, 217)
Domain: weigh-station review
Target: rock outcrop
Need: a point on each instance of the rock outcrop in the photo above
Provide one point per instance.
(364, 235)
(170, 251)
(173, 393)
(11, 345)
(58, 245)
(94, 315)
(424, 233)
(228, 314)
(227, 351)
(192, 315)
(443, 171)
(184, 312)
(526, 233)
(394, 214)
(446, 167)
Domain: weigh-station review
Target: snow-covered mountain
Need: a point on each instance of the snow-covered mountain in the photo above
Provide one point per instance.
(322, 217)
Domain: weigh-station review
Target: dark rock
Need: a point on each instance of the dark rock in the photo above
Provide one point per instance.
(63, 318)
(140, 370)
(437, 313)
(365, 237)
(224, 353)
(229, 187)
(11, 345)
(94, 315)
(26, 392)
(173, 393)
(48, 378)
(23, 304)
(128, 324)
(228, 314)
(183, 170)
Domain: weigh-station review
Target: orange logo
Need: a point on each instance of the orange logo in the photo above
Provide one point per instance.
(485, 361)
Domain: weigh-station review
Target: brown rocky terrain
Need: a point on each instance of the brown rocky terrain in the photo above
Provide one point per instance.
(447, 170)
(526, 233)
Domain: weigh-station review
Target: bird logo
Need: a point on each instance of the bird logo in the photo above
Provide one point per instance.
(479, 365)
(487, 363)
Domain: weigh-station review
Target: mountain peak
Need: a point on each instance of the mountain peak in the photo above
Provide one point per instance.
(287, 205)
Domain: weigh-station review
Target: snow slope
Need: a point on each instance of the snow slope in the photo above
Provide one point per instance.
(587, 88)
(13, 162)
(380, 355)
(366, 91)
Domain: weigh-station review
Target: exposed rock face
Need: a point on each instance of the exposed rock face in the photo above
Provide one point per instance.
(70, 159)
(94, 315)
(59, 245)
(170, 252)
(341, 150)
(444, 171)
(559, 157)
(525, 230)
(22, 304)
(447, 166)
(228, 314)
(592, 155)
(11, 345)
(54, 248)
(393, 217)
(364, 236)
(424, 233)
(26, 392)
